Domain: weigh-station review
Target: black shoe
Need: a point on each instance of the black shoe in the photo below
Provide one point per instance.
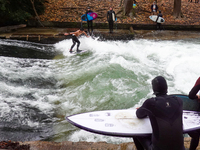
(70, 51)
(78, 51)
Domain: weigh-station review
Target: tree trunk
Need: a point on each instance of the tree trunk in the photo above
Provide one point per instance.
(177, 8)
(32, 1)
(128, 6)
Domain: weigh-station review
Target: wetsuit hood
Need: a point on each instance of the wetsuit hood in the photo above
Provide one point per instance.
(159, 86)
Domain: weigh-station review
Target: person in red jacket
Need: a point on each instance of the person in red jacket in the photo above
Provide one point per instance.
(195, 135)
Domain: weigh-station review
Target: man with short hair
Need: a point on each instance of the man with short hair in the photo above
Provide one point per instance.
(75, 39)
(165, 114)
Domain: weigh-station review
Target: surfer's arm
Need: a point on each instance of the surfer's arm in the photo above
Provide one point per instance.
(194, 91)
(141, 113)
(115, 15)
(157, 19)
(85, 33)
(86, 15)
(144, 110)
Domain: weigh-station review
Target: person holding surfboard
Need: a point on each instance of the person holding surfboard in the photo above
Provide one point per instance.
(159, 24)
(89, 23)
(195, 135)
(111, 17)
(75, 39)
(165, 114)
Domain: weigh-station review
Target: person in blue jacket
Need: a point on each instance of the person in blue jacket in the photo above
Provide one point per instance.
(89, 23)
(165, 114)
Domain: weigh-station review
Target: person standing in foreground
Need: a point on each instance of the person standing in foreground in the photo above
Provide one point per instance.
(165, 114)
(75, 39)
(111, 18)
(89, 23)
(195, 135)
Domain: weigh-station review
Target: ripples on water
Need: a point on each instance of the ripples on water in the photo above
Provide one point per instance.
(41, 84)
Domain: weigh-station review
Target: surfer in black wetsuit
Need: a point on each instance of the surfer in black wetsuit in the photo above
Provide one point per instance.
(159, 24)
(75, 39)
(165, 114)
(195, 135)
(89, 23)
(111, 18)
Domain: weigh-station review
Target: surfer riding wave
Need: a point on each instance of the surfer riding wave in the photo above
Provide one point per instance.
(75, 39)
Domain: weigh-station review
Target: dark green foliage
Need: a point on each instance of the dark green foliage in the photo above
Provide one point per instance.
(18, 11)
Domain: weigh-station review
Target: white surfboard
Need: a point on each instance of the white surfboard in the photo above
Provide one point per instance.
(124, 123)
(154, 18)
(81, 52)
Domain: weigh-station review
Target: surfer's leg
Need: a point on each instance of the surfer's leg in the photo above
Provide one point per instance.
(138, 144)
(195, 139)
(78, 43)
(91, 27)
(146, 142)
(88, 26)
(74, 43)
(111, 26)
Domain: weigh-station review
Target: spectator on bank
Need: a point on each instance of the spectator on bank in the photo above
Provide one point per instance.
(89, 23)
(154, 8)
(111, 17)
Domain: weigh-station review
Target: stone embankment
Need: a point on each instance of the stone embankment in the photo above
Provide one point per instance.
(67, 145)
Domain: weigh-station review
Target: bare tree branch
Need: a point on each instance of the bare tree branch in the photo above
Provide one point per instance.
(37, 16)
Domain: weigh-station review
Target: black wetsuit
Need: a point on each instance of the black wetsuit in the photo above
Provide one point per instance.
(89, 23)
(195, 135)
(165, 113)
(75, 40)
(110, 19)
(195, 90)
(159, 24)
(156, 8)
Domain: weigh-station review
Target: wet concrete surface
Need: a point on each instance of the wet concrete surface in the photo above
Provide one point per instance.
(67, 145)
(166, 34)
(54, 35)
(50, 35)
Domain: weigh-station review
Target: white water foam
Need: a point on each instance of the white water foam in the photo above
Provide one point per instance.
(177, 61)
(113, 75)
